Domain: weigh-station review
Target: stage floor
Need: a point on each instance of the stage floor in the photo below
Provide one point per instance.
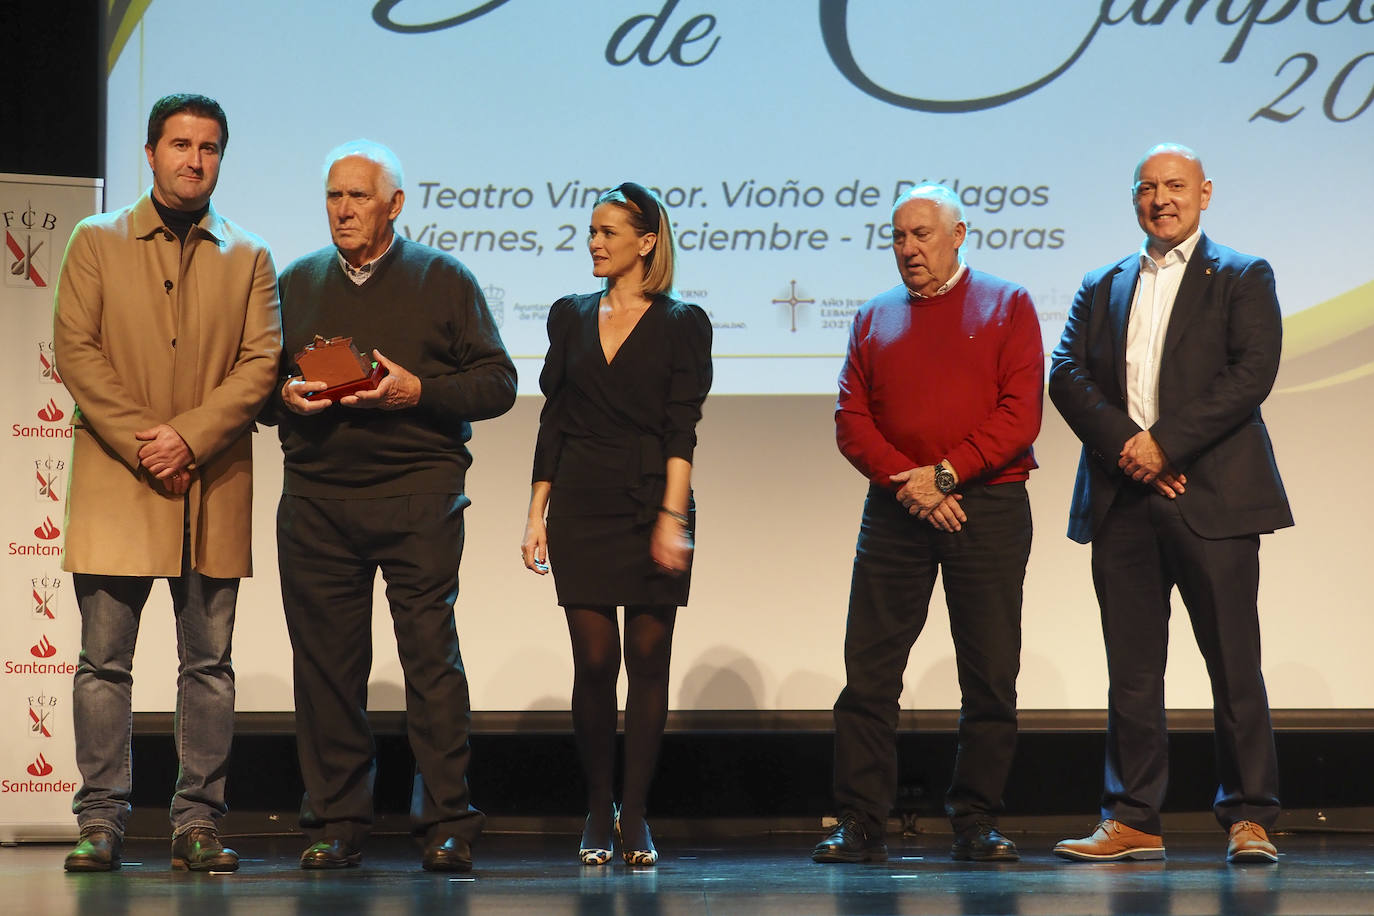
(517, 874)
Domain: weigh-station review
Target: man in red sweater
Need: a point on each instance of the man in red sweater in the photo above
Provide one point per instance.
(940, 400)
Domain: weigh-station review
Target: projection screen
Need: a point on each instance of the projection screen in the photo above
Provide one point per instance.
(778, 133)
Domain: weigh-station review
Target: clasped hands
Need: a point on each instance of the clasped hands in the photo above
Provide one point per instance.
(167, 457)
(919, 496)
(1144, 461)
(398, 390)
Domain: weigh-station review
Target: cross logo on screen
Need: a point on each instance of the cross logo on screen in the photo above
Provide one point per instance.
(792, 299)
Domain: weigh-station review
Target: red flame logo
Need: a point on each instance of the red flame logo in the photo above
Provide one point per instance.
(39, 767)
(43, 648)
(51, 413)
(47, 531)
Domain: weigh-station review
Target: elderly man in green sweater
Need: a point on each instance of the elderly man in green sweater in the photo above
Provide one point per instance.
(374, 481)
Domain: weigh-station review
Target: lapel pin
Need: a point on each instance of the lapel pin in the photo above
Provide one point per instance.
(1208, 271)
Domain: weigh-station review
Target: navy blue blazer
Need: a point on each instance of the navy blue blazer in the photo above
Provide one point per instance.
(1220, 357)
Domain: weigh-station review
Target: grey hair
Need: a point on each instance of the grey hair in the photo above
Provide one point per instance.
(941, 196)
(373, 152)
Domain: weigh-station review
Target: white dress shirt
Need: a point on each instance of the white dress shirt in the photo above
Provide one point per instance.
(1155, 292)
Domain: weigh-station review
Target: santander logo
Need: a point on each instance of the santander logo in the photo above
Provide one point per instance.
(47, 531)
(50, 413)
(43, 648)
(39, 767)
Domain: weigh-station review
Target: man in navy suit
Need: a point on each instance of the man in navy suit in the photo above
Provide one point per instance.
(1166, 358)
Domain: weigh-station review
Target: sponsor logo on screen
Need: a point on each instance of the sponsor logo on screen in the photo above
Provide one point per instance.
(792, 299)
(46, 532)
(48, 479)
(38, 782)
(47, 362)
(44, 593)
(42, 720)
(50, 427)
(496, 303)
(27, 257)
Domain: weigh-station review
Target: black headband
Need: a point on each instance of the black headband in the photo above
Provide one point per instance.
(640, 196)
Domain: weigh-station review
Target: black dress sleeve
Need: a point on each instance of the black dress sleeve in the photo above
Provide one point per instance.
(562, 324)
(690, 334)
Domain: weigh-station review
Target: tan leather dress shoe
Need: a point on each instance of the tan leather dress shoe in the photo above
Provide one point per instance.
(1112, 841)
(1249, 843)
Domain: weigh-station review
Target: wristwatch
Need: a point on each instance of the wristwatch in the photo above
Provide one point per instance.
(944, 478)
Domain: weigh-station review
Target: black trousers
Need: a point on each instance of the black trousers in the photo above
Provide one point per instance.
(983, 568)
(329, 552)
(1142, 550)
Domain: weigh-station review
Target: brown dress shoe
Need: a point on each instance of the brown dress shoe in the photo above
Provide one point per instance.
(447, 853)
(98, 850)
(1249, 843)
(199, 849)
(1112, 841)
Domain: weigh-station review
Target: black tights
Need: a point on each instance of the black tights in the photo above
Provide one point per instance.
(596, 669)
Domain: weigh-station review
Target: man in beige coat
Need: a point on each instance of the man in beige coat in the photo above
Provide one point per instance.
(168, 333)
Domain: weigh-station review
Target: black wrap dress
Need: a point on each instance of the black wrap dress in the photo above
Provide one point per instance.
(606, 433)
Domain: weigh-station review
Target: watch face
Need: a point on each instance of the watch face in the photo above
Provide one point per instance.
(944, 480)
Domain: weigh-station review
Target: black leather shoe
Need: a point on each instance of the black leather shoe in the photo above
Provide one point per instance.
(98, 850)
(849, 842)
(199, 849)
(983, 843)
(331, 854)
(447, 853)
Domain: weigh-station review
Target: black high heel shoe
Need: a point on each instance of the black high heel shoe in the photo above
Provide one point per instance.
(637, 857)
(592, 852)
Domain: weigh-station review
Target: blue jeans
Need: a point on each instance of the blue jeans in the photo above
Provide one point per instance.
(102, 714)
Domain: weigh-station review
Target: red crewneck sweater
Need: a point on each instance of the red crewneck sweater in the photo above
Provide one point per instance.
(959, 376)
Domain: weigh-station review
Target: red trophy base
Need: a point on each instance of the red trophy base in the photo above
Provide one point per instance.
(366, 383)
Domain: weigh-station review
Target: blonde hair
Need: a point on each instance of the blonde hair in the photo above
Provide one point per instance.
(647, 214)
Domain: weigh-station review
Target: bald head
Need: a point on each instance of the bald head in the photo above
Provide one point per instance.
(1173, 149)
(1169, 193)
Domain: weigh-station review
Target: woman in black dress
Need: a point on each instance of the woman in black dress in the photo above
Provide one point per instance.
(624, 379)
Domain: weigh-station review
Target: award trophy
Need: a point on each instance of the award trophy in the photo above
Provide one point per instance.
(336, 362)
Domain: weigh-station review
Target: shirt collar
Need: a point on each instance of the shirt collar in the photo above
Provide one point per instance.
(1181, 253)
(947, 285)
(360, 275)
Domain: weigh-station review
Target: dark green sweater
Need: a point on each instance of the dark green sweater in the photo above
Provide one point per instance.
(424, 311)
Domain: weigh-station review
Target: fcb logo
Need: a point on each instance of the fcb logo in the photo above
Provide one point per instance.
(28, 256)
(42, 713)
(44, 601)
(47, 363)
(48, 483)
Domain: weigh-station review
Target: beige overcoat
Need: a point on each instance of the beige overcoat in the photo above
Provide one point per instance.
(146, 332)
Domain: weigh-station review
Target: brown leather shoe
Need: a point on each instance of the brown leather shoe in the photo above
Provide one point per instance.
(1249, 843)
(1112, 841)
(447, 853)
(98, 850)
(199, 849)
